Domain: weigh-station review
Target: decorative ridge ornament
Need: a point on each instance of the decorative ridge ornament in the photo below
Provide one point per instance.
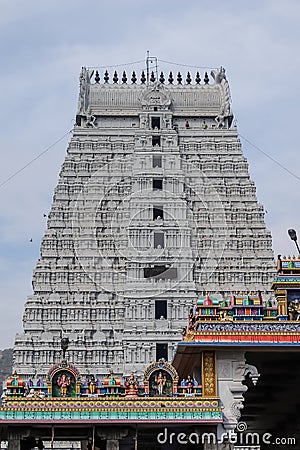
(222, 83)
(156, 96)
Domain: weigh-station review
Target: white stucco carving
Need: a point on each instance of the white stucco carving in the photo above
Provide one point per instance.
(232, 371)
(134, 168)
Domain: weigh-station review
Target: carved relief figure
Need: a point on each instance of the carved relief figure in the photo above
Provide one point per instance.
(144, 121)
(82, 90)
(90, 121)
(190, 384)
(218, 75)
(131, 386)
(112, 381)
(64, 382)
(160, 382)
(92, 385)
(167, 122)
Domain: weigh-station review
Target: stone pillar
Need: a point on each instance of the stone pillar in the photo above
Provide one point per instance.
(84, 445)
(14, 442)
(14, 437)
(221, 446)
(112, 437)
(112, 444)
(232, 370)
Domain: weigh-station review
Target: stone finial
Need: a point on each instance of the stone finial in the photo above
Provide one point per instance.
(97, 77)
(143, 77)
(161, 78)
(197, 79)
(133, 78)
(206, 79)
(152, 78)
(115, 77)
(188, 78)
(106, 77)
(179, 78)
(170, 79)
(124, 77)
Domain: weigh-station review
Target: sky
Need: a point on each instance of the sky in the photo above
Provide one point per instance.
(45, 43)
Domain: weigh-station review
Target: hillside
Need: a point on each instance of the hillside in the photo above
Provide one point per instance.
(6, 361)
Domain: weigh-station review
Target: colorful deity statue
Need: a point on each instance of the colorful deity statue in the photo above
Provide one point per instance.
(112, 384)
(160, 382)
(29, 383)
(131, 386)
(112, 381)
(190, 384)
(64, 383)
(92, 385)
(40, 382)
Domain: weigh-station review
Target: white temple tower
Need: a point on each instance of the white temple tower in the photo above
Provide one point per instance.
(154, 204)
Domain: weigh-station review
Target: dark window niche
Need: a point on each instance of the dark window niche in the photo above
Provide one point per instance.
(160, 272)
(157, 184)
(155, 122)
(155, 141)
(161, 309)
(159, 239)
(158, 213)
(161, 351)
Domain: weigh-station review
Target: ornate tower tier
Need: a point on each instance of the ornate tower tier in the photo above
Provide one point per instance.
(154, 204)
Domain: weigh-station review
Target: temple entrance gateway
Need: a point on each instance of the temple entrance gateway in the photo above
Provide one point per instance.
(154, 282)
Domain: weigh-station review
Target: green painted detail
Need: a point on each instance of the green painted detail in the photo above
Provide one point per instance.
(184, 414)
(291, 279)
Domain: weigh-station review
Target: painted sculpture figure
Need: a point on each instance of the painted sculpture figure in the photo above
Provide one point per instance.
(160, 381)
(63, 382)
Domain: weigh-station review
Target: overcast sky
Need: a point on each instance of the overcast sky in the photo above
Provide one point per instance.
(44, 44)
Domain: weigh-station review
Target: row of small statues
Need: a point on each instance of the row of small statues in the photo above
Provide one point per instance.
(93, 385)
(131, 387)
(189, 384)
(66, 382)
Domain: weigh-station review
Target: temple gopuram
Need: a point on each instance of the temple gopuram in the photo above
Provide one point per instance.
(154, 205)
(157, 320)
